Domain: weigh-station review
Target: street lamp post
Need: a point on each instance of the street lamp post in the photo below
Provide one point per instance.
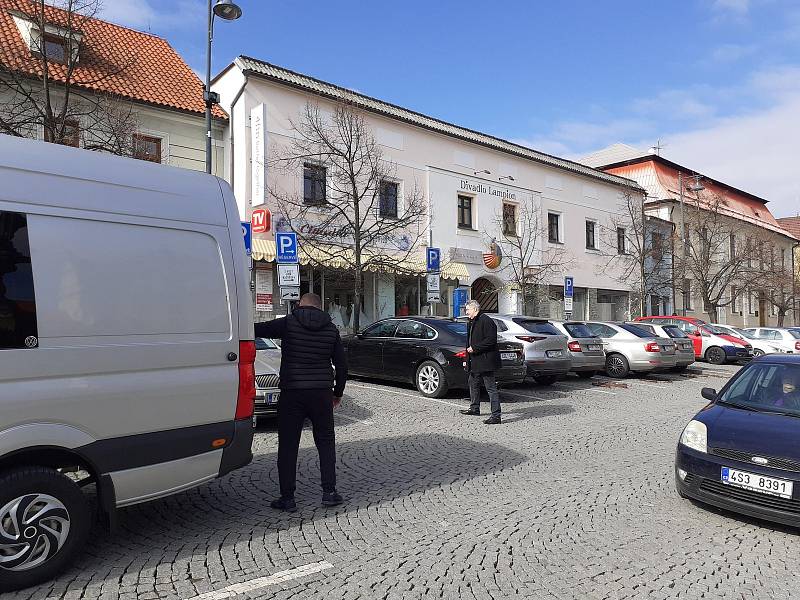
(226, 10)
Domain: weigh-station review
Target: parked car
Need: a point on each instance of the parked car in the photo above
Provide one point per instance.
(268, 367)
(760, 347)
(585, 348)
(710, 344)
(786, 339)
(630, 348)
(740, 452)
(131, 366)
(546, 354)
(684, 350)
(429, 352)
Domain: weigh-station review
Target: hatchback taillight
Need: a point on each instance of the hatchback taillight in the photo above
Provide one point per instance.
(530, 338)
(574, 347)
(247, 380)
(652, 347)
(797, 346)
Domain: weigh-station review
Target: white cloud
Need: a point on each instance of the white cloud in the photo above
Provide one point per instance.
(679, 104)
(154, 15)
(738, 7)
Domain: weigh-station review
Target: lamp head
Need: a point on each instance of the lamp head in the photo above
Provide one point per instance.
(227, 10)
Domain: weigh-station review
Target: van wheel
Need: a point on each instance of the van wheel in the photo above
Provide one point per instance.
(617, 366)
(715, 355)
(44, 523)
(431, 381)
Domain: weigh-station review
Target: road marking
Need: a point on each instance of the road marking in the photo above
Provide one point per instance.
(262, 582)
(353, 419)
(417, 396)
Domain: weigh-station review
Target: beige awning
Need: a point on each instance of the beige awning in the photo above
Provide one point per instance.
(336, 257)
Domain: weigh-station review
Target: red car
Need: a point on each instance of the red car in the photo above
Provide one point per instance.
(710, 343)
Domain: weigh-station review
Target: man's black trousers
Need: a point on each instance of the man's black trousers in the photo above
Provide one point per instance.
(295, 406)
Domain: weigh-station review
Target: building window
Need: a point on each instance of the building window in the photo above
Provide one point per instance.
(621, 249)
(71, 135)
(314, 184)
(751, 303)
(657, 241)
(553, 228)
(783, 258)
(53, 48)
(734, 299)
(591, 243)
(147, 147)
(773, 310)
(733, 246)
(749, 253)
(687, 294)
(465, 211)
(686, 234)
(388, 199)
(509, 219)
(18, 328)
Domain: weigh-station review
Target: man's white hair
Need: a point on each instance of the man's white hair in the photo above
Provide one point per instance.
(474, 304)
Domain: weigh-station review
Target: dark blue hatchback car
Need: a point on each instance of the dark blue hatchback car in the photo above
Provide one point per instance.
(742, 451)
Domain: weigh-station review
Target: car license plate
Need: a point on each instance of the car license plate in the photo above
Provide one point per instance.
(273, 398)
(757, 483)
(686, 346)
(508, 355)
(555, 353)
(595, 347)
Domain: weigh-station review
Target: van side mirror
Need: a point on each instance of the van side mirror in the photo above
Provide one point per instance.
(709, 394)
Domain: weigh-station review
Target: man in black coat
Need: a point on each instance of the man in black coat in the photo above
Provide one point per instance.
(310, 388)
(483, 359)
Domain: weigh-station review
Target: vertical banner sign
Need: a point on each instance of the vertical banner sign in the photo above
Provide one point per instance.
(258, 138)
(264, 290)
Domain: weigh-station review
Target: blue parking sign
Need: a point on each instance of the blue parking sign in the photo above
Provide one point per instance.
(286, 247)
(568, 287)
(433, 259)
(248, 237)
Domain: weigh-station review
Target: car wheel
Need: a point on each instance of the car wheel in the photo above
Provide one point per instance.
(715, 355)
(617, 366)
(586, 374)
(431, 381)
(758, 352)
(44, 523)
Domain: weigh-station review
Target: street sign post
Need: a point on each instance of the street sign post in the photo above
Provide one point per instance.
(248, 237)
(290, 294)
(289, 275)
(459, 300)
(433, 282)
(433, 259)
(286, 247)
(568, 305)
(434, 297)
(569, 285)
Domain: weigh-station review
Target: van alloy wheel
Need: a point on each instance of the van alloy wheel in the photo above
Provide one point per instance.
(428, 379)
(33, 528)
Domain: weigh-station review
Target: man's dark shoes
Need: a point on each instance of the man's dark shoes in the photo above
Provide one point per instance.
(493, 421)
(469, 411)
(332, 498)
(285, 504)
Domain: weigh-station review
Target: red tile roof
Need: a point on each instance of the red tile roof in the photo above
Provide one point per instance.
(791, 224)
(114, 59)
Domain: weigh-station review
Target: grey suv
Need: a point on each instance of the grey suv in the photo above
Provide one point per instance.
(546, 354)
(631, 348)
(585, 348)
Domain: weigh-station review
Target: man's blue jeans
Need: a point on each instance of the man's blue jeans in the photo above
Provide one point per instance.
(491, 388)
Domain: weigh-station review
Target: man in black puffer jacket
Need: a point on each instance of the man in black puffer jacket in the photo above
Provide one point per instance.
(310, 350)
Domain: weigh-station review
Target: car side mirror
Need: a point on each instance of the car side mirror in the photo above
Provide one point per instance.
(709, 394)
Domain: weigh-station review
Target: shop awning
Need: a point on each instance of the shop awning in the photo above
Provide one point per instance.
(335, 257)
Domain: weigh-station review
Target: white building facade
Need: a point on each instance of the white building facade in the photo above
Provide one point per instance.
(470, 181)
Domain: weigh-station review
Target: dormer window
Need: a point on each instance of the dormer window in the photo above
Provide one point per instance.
(56, 44)
(54, 48)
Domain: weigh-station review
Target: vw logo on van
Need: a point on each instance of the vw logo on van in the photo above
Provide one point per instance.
(31, 342)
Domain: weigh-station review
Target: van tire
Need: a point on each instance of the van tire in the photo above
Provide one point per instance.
(715, 355)
(32, 481)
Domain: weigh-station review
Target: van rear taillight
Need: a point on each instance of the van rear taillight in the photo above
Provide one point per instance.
(247, 380)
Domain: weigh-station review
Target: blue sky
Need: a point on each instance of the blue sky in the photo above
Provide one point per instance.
(717, 81)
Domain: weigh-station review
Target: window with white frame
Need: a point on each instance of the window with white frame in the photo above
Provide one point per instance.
(591, 235)
(509, 219)
(388, 199)
(554, 228)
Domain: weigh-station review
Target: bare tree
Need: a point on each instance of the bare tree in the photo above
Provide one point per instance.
(526, 262)
(48, 90)
(637, 249)
(716, 255)
(774, 280)
(352, 211)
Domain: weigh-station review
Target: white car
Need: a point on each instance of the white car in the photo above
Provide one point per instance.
(787, 339)
(760, 346)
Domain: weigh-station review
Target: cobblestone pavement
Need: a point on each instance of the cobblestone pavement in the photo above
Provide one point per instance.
(572, 497)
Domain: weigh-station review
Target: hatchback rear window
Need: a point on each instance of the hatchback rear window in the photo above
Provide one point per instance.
(537, 326)
(795, 334)
(18, 327)
(578, 330)
(637, 331)
(674, 331)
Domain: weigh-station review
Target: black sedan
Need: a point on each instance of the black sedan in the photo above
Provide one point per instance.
(426, 351)
(741, 452)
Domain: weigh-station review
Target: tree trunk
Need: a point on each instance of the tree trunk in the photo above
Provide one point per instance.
(713, 313)
(781, 316)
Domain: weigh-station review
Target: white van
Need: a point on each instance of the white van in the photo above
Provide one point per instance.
(126, 343)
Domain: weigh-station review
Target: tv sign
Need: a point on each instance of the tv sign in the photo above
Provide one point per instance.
(261, 220)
